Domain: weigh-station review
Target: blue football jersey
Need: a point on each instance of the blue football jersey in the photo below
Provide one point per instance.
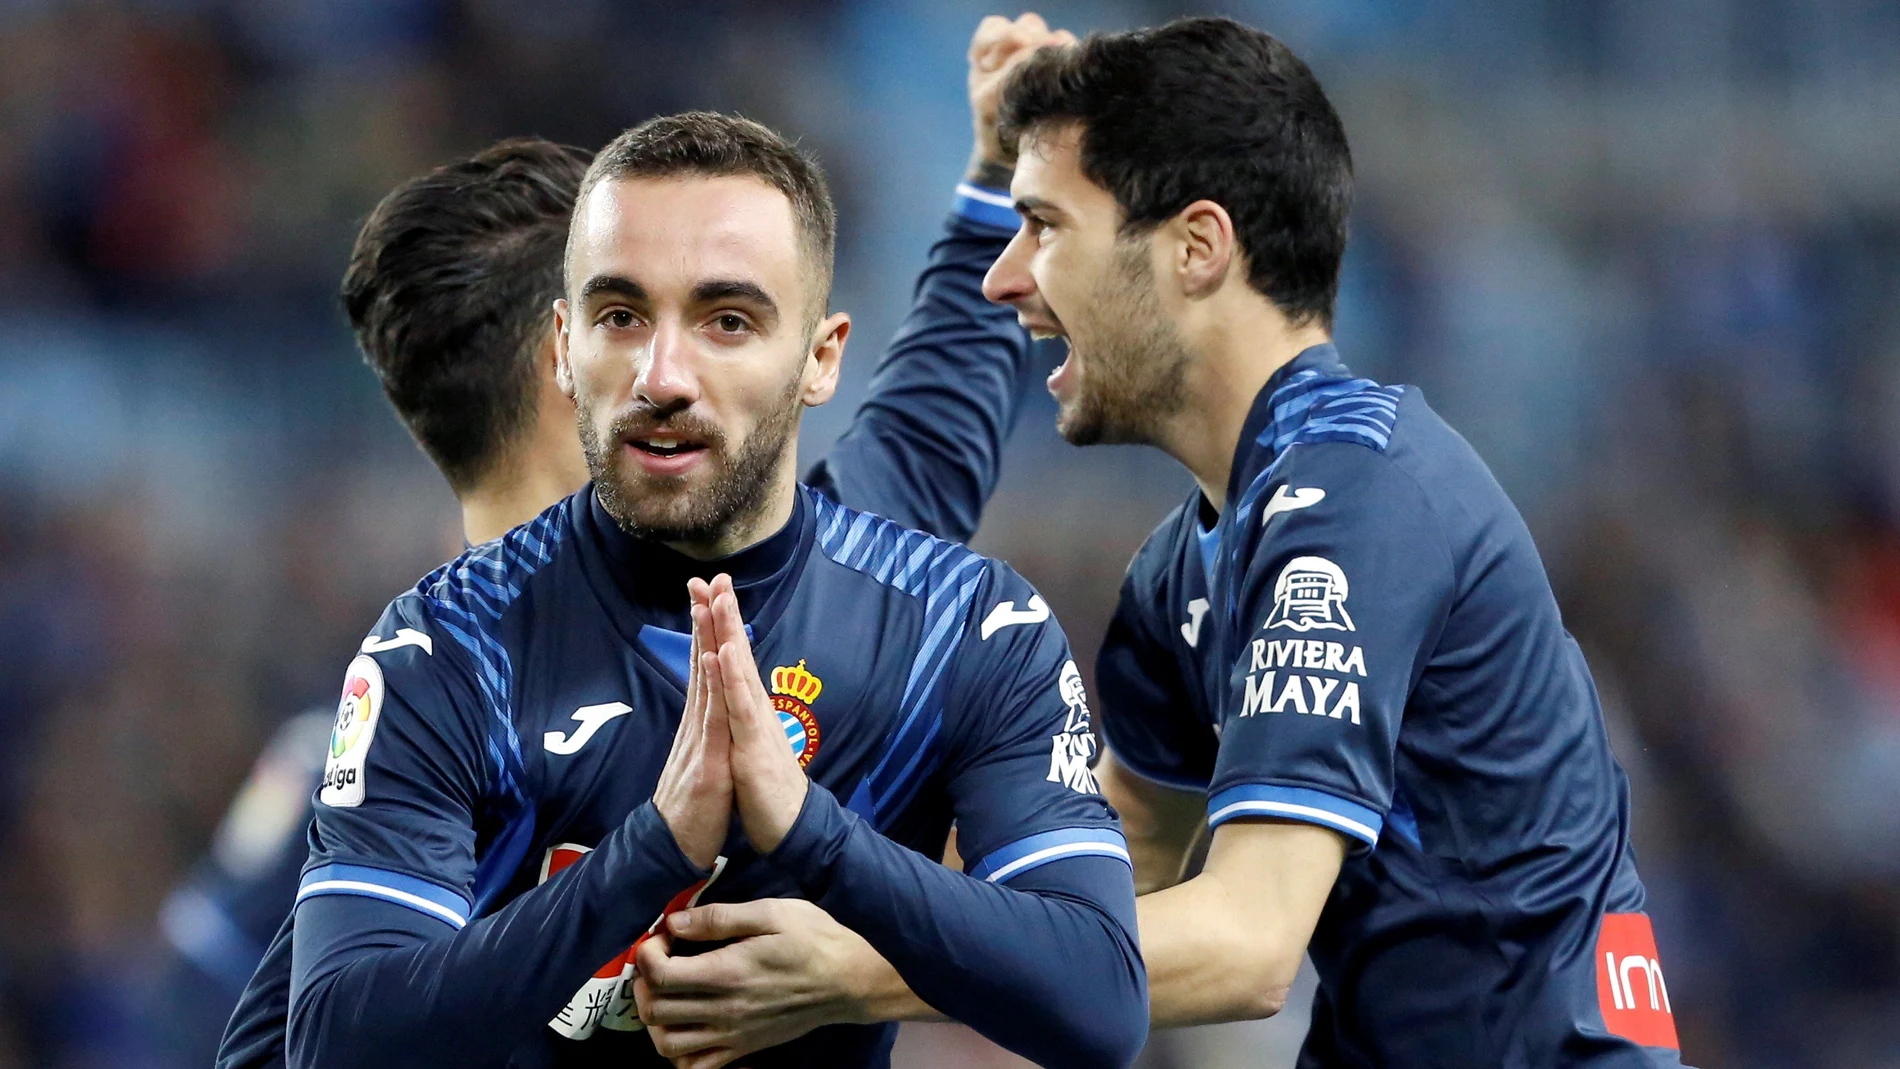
(1365, 639)
(518, 705)
(924, 449)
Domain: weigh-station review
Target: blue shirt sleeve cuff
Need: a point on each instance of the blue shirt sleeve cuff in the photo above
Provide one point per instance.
(1035, 851)
(1296, 803)
(418, 894)
(811, 847)
(990, 207)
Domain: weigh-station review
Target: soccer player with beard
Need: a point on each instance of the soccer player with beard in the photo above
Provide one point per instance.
(1341, 654)
(449, 291)
(497, 826)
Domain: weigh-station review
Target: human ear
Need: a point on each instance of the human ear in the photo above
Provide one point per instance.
(563, 371)
(1206, 247)
(827, 356)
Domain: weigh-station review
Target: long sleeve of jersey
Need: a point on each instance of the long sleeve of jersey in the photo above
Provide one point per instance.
(373, 983)
(386, 966)
(925, 447)
(1035, 946)
(1047, 968)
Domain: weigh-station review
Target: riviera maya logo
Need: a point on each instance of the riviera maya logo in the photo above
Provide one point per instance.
(794, 688)
(352, 714)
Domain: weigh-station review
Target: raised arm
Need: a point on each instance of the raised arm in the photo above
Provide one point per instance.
(925, 447)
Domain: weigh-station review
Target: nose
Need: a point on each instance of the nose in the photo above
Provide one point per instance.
(667, 380)
(1009, 280)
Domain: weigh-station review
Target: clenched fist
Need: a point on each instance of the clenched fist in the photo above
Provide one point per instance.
(998, 47)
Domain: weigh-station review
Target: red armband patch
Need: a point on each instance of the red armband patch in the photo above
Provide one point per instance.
(1630, 987)
(606, 1000)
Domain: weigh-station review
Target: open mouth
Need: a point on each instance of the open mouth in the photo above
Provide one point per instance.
(663, 447)
(665, 454)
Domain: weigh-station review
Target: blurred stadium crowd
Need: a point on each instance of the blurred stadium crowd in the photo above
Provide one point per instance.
(1644, 256)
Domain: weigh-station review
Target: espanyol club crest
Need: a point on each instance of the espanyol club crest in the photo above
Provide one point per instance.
(794, 688)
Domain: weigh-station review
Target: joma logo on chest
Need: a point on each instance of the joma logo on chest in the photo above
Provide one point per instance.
(591, 719)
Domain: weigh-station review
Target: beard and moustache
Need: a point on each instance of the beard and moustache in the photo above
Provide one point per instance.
(1135, 377)
(668, 509)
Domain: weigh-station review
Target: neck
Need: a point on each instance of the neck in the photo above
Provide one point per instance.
(538, 469)
(503, 502)
(1238, 353)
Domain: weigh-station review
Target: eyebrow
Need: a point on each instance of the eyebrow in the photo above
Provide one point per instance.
(1025, 205)
(723, 289)
(614, 284)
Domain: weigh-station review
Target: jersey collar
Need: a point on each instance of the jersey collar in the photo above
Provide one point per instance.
(643, 583)
(1275, 407)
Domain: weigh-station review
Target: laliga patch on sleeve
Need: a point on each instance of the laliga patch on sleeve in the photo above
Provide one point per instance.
(1630, 986)
(356, 714)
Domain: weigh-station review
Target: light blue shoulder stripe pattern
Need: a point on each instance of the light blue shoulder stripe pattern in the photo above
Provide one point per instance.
(1312, 407)
(946, 576)
(467, 598)
(398, 887)
(1035, 851)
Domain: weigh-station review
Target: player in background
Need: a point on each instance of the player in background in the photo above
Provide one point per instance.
(460, 873)
(474, 249)
(1341, 654)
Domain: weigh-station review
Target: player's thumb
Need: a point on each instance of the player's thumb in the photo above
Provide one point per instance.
(723, 920)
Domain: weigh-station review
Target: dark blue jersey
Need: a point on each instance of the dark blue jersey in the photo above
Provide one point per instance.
(924, 449)
(1365, 639)
(485, 848)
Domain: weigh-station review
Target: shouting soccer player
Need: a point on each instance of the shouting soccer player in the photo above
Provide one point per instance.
(1342, 654)
(450, 289)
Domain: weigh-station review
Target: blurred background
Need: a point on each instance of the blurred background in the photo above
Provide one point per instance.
(1645, 256)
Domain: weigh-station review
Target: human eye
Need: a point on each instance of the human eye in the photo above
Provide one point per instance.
(618, 318)
(731, 323)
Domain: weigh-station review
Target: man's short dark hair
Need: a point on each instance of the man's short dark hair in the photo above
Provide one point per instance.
(1205, 108)
(451, 289)
(714, 145)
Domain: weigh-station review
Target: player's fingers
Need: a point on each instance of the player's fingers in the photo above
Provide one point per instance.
(748, 665)
(1062, 38)
(725, 920)
(711, 973)
(992, 29)
(702, 644)
(750, 726)
(689, 1012)
(653, 961)
(679, 1041)
(1030, 25)
(642, 995)
(718, 711)
(713, 1058)
(725, 608)
(722, 622)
